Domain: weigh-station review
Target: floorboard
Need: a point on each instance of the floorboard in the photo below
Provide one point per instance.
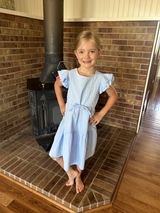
(140, 187)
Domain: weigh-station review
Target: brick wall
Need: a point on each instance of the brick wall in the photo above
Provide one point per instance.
(21, 57)
(126, 52)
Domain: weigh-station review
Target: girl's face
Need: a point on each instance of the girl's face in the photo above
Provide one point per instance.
(87, 54)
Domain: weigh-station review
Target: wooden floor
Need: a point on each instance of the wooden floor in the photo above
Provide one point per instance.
(139, 191)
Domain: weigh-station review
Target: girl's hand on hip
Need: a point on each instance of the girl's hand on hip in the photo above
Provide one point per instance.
(95, 119)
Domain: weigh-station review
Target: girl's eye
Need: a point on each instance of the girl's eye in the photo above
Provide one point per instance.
(80, 52)
(92, 51)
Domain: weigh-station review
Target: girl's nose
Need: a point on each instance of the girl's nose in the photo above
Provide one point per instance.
(86, 55)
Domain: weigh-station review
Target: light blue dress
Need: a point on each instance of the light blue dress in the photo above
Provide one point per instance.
(75, 139)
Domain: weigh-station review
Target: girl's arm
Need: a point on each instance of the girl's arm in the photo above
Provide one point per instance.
(97, 117)
(59, 95)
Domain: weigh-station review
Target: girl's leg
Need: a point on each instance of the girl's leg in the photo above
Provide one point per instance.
(79, 183)
(71, 172)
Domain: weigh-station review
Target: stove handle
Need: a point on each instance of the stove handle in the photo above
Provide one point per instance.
(44, 116)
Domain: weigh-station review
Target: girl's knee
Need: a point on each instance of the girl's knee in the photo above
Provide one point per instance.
(79, 170)
(56, 159)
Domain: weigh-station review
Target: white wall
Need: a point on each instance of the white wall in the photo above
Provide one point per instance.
(107, 10)
(95, 10)
(32, 7)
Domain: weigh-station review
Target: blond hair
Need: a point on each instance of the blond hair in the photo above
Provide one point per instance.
(85, 36)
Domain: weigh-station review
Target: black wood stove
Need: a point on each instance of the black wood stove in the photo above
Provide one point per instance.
(45, 112)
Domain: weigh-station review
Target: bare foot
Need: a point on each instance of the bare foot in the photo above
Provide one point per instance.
(71, 176)
(79, 185)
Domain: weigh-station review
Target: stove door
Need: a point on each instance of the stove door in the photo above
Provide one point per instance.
(55, 116)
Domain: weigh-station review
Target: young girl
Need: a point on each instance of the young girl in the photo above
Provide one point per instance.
(76, 137)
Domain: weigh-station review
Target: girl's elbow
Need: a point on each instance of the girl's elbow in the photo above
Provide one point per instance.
(114, 97)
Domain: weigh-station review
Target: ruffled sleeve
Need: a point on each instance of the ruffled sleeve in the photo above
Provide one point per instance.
(106, 81)
(64, 77)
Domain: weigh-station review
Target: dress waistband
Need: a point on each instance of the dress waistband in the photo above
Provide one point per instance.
(80, 106)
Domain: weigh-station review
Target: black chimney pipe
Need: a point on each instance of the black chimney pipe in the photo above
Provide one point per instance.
(53, 35)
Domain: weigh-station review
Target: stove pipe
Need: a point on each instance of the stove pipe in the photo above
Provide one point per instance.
(53, 35)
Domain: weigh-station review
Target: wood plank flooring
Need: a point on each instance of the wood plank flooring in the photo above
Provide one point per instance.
(140, 187)
(139, 191)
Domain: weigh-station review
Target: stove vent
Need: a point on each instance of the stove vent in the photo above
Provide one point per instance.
(53, 35)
